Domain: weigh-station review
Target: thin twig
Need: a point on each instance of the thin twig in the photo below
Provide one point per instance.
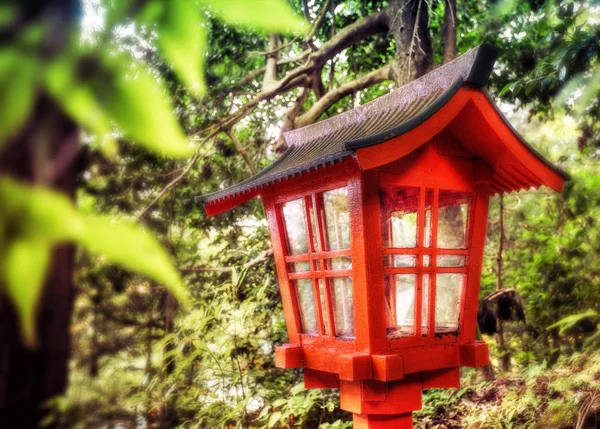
(172, 183)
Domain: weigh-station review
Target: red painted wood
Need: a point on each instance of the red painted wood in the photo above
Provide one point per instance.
(320, 380)
(398, 147)
(441, 378)
(387, 367)
(374, 291)
(361, 283)
(474, 354)
(478, 228)
(354, 367)
(289, 356)
(399, 421)
(288, 295)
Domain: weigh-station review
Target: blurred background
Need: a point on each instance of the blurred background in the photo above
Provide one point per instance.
(124, 306)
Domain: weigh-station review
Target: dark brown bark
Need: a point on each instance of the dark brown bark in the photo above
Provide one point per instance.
(449, 31)
(30, 377)
(409, 25)
(46, 152)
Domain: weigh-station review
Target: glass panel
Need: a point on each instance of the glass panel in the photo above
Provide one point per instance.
(343, 307)
(451, 261)
(313, 224)
(324, 310)
(426, 260)
(453, 213)
(447, 301)
(295, 226)
(425, 305)
(399, 208)
(341, 263)
(299, 267)
(428, 207)
(400, 305)
(306, 302)
(400, 260)
(337, 218)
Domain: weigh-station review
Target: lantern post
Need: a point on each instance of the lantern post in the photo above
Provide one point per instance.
(377, 219)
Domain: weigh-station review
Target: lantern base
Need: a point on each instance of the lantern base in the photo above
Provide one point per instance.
(397, 421)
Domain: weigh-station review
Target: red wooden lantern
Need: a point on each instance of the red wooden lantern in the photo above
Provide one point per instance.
(377, 219)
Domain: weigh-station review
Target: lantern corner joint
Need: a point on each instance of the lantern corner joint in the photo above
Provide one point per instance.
(377, 219)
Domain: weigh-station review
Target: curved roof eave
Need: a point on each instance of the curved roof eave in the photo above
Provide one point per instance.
(308, 146)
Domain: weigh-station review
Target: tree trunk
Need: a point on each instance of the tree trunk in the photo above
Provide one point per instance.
(504, 353)
(30, 377)
(409, 25)
(449, 31)
(45, 152)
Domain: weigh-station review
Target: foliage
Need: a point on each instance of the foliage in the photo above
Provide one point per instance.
(539, 398)
(98, 85)
(139, 79)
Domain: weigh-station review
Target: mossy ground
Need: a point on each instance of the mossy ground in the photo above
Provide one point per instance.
(566, 396)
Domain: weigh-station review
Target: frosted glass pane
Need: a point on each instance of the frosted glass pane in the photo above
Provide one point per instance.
(425, 305)
(404, 229)
(426, 260)
(447, 301)
(340, 263)
(299, 267)
(343, 306)
(428, 208)
(315, 232)
(451, 261)
(399, 208)
(400, 305)
(306, 302)
(294, 217)
(453, 213)
(324, 310)
(401, 261)
(337, 218)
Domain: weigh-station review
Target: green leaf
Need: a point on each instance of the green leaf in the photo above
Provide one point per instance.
(569, 322)
(132, 247)
(136, 101)
(182, 40)
(103, 88)
(26, 261)
(266, 15)
(76, 98)
(39, 212)
(507, 87)
(279, 402)
(18, 73)
(274, 419)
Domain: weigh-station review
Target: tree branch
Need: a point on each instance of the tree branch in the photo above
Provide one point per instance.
(270, 76)
(300, 76)
(172, 183)
(331, 97)
(242, 151)
(289, 119)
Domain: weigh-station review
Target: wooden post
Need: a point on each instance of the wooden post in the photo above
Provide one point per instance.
(397, 421)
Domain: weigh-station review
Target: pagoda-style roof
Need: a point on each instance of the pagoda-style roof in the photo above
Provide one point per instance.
(387, 117)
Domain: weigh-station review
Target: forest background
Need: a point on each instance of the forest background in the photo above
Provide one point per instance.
(131, 108)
